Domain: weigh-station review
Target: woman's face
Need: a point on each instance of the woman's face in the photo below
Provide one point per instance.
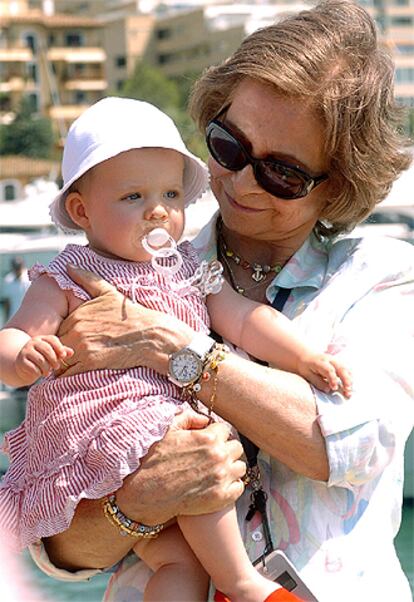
(279, 128)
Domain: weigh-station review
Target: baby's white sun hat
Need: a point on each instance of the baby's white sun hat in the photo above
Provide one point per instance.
(115, 125)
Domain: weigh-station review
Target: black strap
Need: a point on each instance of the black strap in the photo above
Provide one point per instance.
(281, 297)
(258, 496)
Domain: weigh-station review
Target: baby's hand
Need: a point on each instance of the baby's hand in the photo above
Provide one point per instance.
(326, 373)
(39, 356)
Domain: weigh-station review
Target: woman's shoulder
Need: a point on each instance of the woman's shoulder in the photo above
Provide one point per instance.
(373, 250)
(375, 259)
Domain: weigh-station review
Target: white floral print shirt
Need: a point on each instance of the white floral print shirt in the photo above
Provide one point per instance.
(355, 298)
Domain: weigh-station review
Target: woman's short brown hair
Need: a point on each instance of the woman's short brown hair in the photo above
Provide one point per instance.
(328, 55)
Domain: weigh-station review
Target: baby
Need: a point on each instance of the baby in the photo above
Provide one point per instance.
(126, 173)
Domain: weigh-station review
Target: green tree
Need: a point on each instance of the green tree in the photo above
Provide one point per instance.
(150, 84)
(189, 131)
(29, 134)
(185, 83)
(409, 123)
(171, 96)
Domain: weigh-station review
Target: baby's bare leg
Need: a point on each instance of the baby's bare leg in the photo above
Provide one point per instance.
(178, 575)
(216, 540)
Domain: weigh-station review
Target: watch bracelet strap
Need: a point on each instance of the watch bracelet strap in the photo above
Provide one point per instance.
(210, 354)
(125, 525)
(201, 344)
(210, 361)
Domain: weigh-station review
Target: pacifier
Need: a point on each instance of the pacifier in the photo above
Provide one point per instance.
(161, 246)
(207, 278)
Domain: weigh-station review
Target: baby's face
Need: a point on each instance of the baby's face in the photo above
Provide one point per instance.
(127, 196)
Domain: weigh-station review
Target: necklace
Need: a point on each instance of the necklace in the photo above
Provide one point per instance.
(239, 289)
(259, 271)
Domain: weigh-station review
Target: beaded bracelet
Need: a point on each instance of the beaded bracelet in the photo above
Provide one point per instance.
(218, 355)
(125, 525)
(214, 358)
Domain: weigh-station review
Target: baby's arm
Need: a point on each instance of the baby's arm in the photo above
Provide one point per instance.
(28, 347)
(268, 335)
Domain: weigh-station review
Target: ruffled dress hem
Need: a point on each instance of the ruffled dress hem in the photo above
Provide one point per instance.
(41, 505)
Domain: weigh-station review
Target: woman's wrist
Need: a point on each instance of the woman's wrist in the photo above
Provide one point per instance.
(127, 526)
(140, 507)
(157, 338)
(89, 543)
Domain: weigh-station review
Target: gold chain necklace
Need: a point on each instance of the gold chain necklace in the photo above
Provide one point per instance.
(259, 271)
(239, 289)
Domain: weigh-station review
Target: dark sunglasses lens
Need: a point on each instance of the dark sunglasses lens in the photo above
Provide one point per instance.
(276, 178)
(280, 181)
(225, 149)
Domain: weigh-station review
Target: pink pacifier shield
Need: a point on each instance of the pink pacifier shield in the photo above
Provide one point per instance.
(161, 246)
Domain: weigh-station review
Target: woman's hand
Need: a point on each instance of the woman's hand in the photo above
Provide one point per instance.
(194, 470)
(110, 331)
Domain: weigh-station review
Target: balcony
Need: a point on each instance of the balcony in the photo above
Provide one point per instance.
(13, 84)
(86, 84)
(67, 112)
(404, 60)
(404, 90)
(76, 55)
(397, 11)
(394, 34)
(15, 55)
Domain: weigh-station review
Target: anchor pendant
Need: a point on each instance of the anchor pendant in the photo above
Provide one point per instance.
(258, 274)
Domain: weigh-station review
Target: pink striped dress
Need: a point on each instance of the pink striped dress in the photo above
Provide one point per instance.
(83, 434)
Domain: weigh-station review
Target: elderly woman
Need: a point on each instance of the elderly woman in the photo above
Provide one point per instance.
(304, 142)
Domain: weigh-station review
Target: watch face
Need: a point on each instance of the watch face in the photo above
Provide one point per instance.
(185, 366)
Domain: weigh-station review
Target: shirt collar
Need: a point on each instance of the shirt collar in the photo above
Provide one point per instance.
(307, 267)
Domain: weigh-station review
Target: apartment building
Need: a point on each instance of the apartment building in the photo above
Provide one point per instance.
(178, 37)
(56, 60)
(65, 54)
(183, 42)
(195, 38)
(126, 39)
(395, 20)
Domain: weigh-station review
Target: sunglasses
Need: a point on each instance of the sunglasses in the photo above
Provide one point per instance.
(280, 179)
